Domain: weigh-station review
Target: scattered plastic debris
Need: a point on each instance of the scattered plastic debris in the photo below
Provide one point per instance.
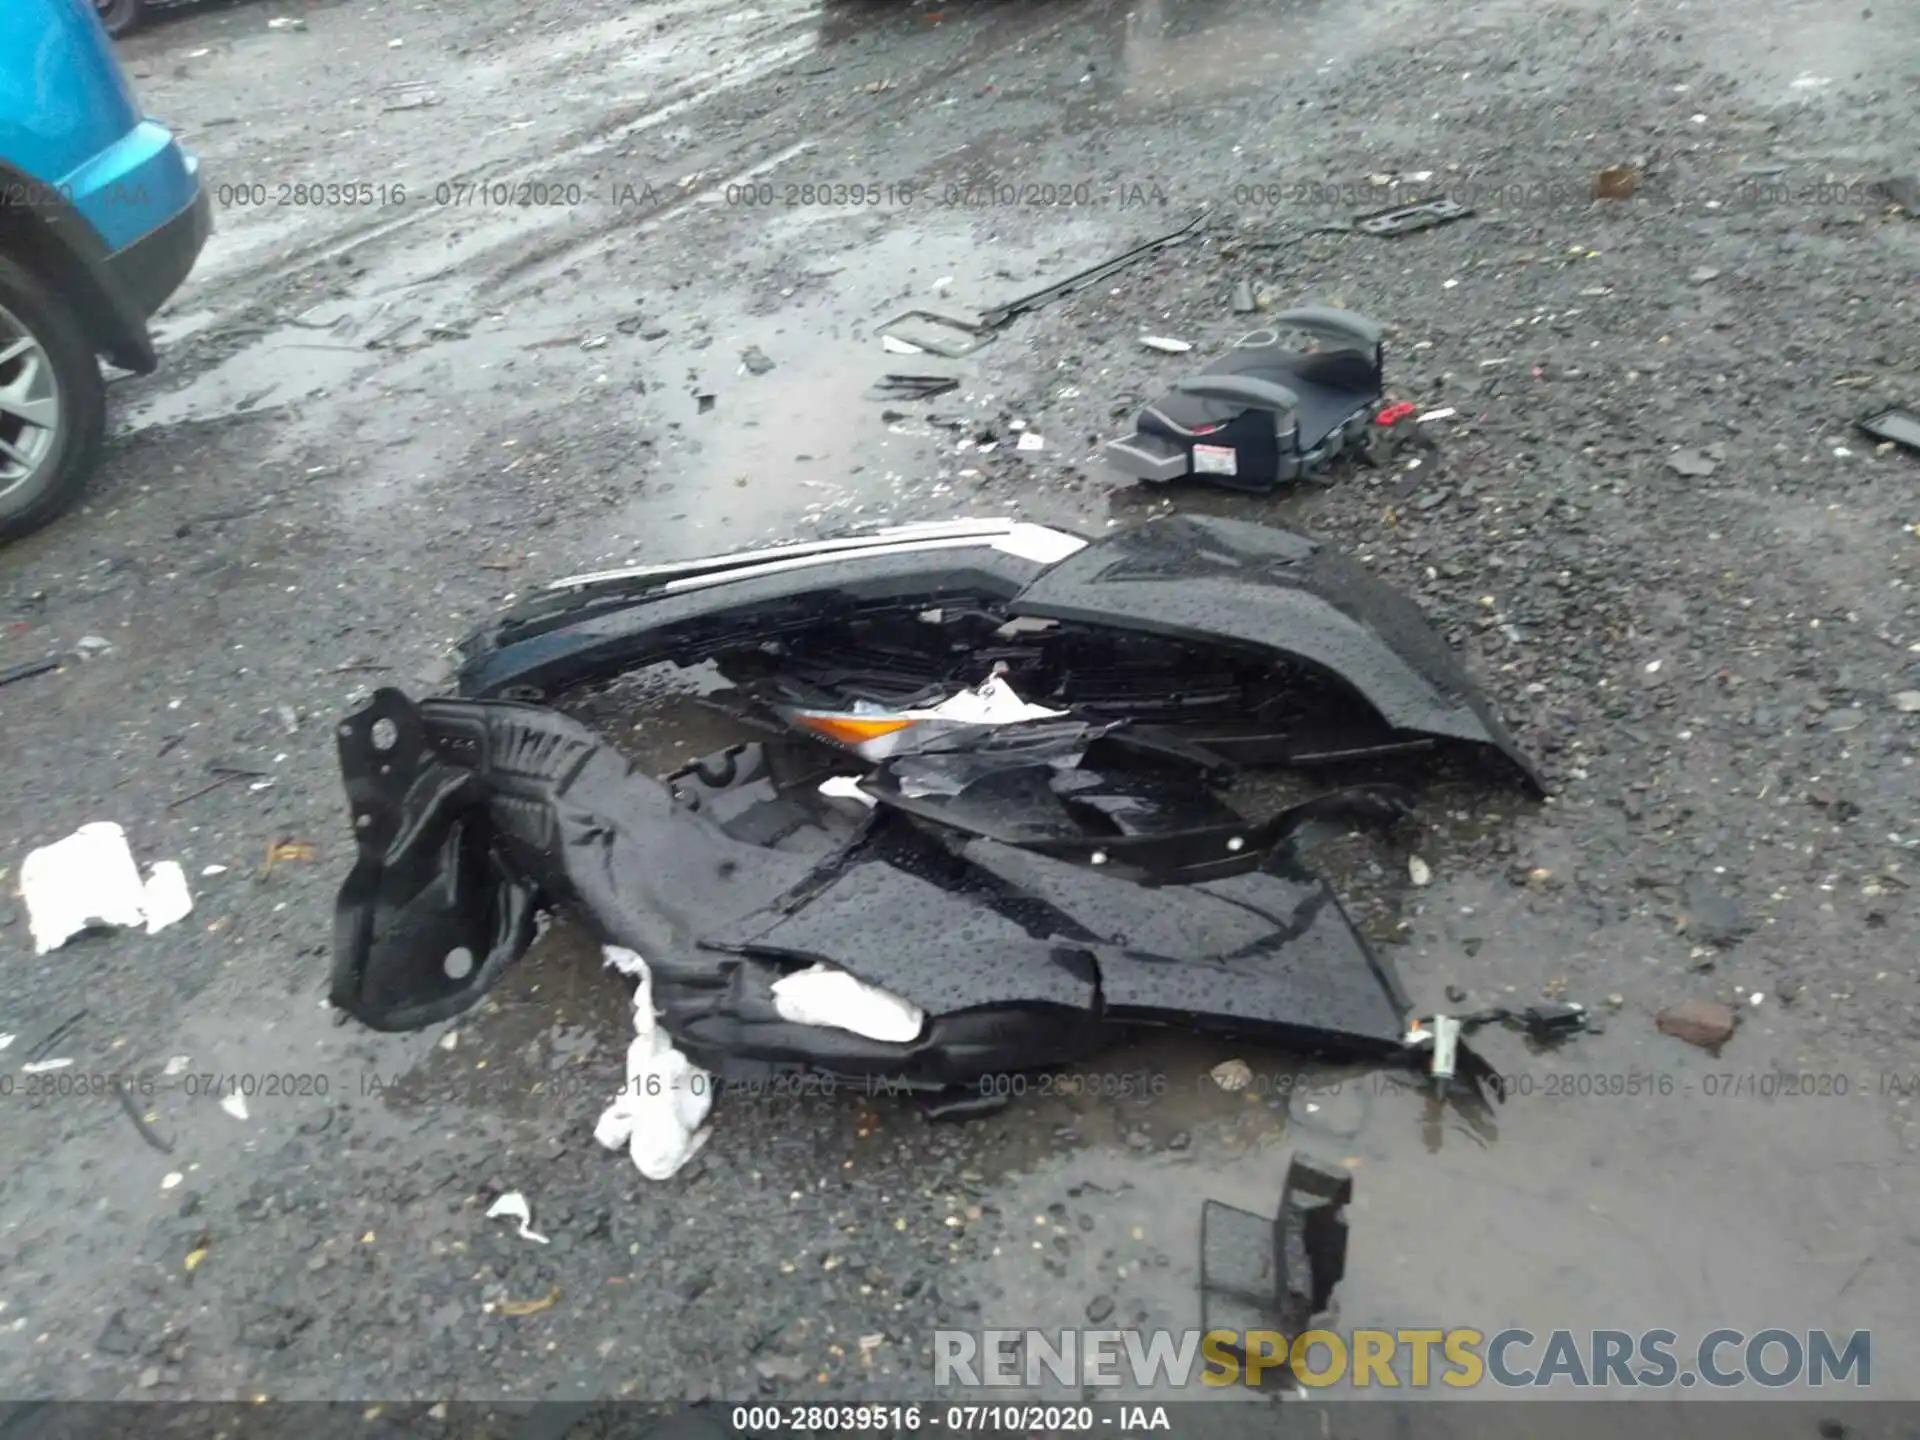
(89, 881)
(953, 337)
(1030, 440)
(171, 1179)
(1445, 412)
(660, 1116)
(235, 1105)
(41, 1067)
(822, 995)
(734, 872)
(286, 22)
(513, 1206)
(896, 346)
(1166, 344)
(1419, 871)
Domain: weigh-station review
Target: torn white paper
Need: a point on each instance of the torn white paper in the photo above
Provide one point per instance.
(822, 995)
(166, 898)
(41, 1067)
(994, 703)
(89, 880)
(86, 880)
(659, 1118)
(235, 1105)
(513, 1206)
(846, 787)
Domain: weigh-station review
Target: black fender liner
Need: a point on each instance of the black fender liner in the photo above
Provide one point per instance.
(471, 813)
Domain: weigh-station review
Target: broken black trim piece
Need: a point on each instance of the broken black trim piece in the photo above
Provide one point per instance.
(1405, 219)
(1279, 1275)
(982, 329)
(1896, 426)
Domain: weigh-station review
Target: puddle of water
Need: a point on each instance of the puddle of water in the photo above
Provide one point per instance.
(1569, 1209)
(735, 471)
(280, 370)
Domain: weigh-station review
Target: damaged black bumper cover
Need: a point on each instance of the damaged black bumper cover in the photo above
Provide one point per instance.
(1195, 596)
(471, 813)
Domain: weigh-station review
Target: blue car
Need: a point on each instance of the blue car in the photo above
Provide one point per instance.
(102, 215)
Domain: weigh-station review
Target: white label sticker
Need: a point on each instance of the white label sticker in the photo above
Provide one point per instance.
(1215, 460)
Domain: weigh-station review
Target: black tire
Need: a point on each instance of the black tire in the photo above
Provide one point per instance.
(121, 17)
(81, 395)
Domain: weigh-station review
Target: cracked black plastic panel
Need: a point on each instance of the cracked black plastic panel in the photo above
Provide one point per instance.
(484, 808)
(1227, 582)
(556, 641)
(1267, 954)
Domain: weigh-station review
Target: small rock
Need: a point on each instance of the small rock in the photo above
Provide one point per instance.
(756, 361)
(286, 22)
(1616, 1002)
(1340, 1111)
(1907, 701)
(1138, 1140)
(1843, 720)
(1701, 274)
(1456, 994)
(1232, 1075)
(781, 1367)
(1691, 463)
(1243, 299)
(1099, 1308)
(93, 645)
(1705, 1023)
(150, 1377)
(1616, 182)
(1180, 1140)
(1419, 871)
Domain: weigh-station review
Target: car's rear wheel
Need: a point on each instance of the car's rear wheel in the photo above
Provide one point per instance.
(119, 16)
(53, 405)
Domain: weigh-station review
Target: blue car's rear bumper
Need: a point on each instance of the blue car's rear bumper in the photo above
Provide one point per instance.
(108, 206)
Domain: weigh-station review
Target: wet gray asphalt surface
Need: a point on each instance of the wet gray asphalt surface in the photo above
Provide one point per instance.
(376, 422)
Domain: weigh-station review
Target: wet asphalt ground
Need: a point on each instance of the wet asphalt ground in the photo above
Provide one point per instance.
(393, 402)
